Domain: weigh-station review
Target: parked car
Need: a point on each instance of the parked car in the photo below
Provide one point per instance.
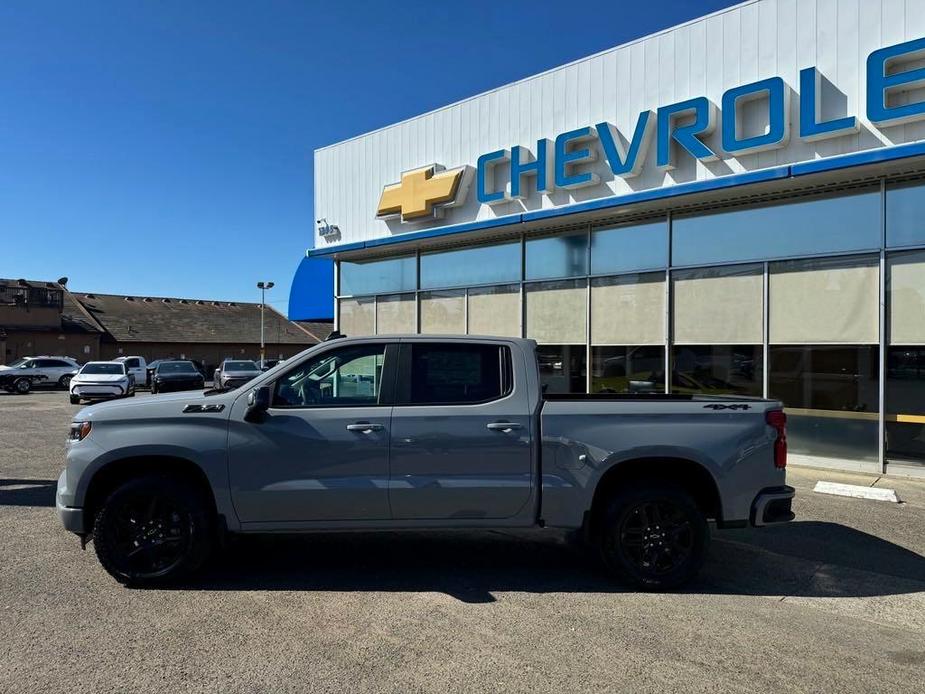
(102, 380)
(234, 373)
(176, 375)
(57, 371)
(19, 381)
(421, 432)
(137, 366)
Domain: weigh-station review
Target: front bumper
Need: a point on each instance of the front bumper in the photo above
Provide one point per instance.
(92, 390)
(174, 386)
(773, 506)
(71, 518)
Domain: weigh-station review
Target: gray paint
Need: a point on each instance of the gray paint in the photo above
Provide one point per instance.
(426, 466)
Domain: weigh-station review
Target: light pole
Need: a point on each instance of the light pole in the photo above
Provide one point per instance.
(263, 287)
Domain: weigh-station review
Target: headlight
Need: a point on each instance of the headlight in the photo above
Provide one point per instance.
(79, 431)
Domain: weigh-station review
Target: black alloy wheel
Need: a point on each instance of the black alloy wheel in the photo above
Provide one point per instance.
(654, 536)
(152, 530)
(22, 386)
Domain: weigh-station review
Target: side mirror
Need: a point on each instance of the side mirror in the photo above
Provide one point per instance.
(258, 402)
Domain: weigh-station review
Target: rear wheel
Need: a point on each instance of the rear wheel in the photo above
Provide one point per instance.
(22, 386)
(153, 530)
(64, 382)
(654, 536)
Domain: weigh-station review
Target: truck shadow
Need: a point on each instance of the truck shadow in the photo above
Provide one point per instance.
(808, 559)
(21, 492)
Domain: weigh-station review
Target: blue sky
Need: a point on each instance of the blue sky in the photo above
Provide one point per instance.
(165, 148)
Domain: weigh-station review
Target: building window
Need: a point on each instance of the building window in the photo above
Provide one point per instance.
(550, 257)
(629, 248)
(831, 399)
(357, 317)
(823, 330)
(443, 312)
(494, 311)
(628, 333)
(468, 267)
(557, 312)
(905, 361)
(563, 368)
(717, 319)
(395, 314)
(378, 276)
(807, 227)
(905, 215)
(636, 369)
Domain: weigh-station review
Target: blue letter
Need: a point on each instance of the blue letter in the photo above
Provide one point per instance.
(627, 164)
(485, 177)
(685, 135)
(811, 128)
(880, 84)
(566, 158)
(778, 94)
(539, 167)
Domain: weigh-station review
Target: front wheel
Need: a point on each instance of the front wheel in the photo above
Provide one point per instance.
(152, 530)
(64, 382)
(654, 536)
(75, 399)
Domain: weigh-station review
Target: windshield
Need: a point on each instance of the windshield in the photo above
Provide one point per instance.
(176, 367)
(240, 366)
(106, 369)
(18, 362)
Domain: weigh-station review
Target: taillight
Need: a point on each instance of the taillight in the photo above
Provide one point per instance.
(778, 420)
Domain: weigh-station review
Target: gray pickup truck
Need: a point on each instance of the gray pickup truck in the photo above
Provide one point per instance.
(420, 432)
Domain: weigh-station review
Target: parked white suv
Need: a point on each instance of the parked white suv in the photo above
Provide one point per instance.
(102, 380)
(57, 371)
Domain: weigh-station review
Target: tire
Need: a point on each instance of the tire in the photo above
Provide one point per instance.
(153, 389)
(22, 386)
(64, 382)
(653, 536)
(75, 399)
(153, 530)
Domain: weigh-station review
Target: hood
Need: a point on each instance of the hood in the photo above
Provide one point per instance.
(162, 405)
(4, 367)
(188, 376)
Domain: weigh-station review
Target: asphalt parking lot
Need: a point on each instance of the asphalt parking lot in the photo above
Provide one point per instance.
(832, 602)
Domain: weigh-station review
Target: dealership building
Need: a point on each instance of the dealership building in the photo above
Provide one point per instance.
(733, 205)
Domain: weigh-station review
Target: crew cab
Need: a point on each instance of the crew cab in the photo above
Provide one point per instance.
(418, 432)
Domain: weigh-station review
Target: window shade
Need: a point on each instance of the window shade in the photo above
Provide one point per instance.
(718, 306)
(395, 314)
(557, 312)
(495, 311)
(628, 310)
(906, 296)
(443, 312)
(831, 300)
(356, 317)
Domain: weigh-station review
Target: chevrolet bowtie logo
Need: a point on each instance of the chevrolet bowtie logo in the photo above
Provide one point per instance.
(423, 192)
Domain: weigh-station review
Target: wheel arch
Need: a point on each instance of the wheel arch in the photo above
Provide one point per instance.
(685, 473)
(116, 472)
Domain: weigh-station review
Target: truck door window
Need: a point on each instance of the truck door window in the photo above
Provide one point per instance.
(457, 374)
(346, 377)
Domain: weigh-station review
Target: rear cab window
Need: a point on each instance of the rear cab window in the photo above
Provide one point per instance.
(454, 373)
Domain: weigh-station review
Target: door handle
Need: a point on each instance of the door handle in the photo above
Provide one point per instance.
(503, 426)
(365, 427)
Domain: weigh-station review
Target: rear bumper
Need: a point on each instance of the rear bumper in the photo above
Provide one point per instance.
(71, 518)
(773, 506)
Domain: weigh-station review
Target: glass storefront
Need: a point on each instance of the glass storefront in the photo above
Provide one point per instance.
(781, 300)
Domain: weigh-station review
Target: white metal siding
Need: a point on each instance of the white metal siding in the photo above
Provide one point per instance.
(745, 43)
